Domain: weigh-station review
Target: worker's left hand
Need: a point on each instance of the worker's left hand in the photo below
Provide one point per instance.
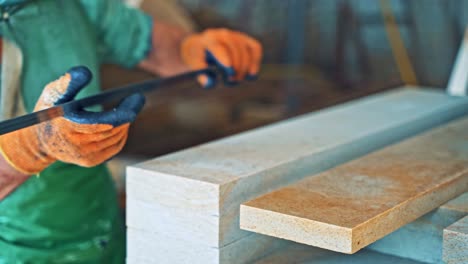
(236, 53)
(81, 137)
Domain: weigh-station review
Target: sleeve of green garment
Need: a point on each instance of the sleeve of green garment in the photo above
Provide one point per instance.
(124, 32)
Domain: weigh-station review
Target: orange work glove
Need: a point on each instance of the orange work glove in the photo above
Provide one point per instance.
(80, 137)
(236, 53)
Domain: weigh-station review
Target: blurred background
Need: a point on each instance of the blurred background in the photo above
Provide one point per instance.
(317, 53)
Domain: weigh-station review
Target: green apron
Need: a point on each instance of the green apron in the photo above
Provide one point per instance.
(67, 214)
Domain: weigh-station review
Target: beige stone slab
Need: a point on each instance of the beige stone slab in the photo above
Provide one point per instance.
(185, 225)
(198, 191)
(256, 249)
(455, 249)
(355, 204)
(150, 247)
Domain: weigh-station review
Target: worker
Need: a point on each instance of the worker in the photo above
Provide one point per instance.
(57, 200)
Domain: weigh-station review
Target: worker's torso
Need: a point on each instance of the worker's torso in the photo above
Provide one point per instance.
(67, 214)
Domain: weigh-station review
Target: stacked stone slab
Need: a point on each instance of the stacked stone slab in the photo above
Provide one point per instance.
(184, 207)
(417, 242)
(455, 250)
(357, 203)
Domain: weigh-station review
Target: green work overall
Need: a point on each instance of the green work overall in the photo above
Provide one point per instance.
(67, 214)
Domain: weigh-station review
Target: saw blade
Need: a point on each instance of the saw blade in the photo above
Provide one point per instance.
(111, 95)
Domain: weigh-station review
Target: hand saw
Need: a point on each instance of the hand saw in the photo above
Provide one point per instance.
(35, 118)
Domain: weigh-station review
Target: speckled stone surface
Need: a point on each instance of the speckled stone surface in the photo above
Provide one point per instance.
(455, 249)
(349, 207)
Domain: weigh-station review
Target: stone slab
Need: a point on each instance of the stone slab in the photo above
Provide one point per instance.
(198, 191)
(455, 250)
(355, 204)
(148, 247)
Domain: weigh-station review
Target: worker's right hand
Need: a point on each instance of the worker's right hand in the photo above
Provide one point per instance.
(80, 137)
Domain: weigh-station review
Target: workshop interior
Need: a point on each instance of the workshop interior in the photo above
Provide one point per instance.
(317, 54)
(349, 146)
